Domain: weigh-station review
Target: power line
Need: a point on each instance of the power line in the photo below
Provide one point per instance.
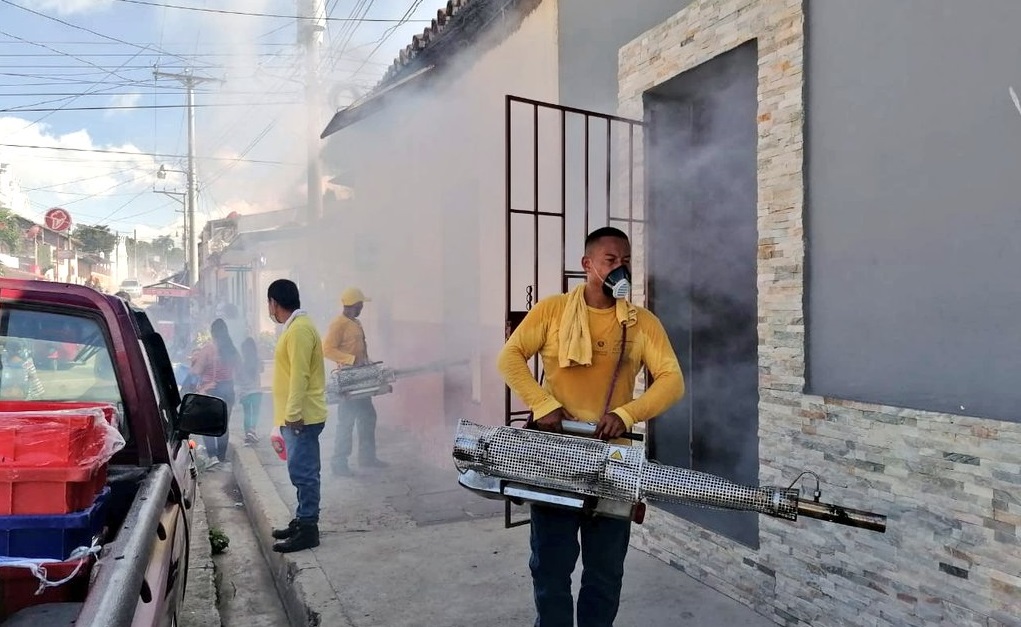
(88, 30)
(387, 35)
(249, 14)
(111, 188)
(141, 154)
(137, 107)
(85, 178)
(59, 53)
(107, 94)
(118, 209)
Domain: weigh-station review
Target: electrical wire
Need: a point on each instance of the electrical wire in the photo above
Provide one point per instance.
(59, 53)
(141, 154)
(137, 107)
(87, 30)
(81, 180)
(388, 34)
(252, 14)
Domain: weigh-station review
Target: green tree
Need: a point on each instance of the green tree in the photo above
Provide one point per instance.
(175, 258)
(95, 239)
(140, 252)
(10, 231)
(162, 245)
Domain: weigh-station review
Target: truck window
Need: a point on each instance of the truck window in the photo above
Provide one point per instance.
(51, 356)
(161, 372)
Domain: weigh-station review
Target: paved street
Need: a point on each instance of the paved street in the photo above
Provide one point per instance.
(406, 546)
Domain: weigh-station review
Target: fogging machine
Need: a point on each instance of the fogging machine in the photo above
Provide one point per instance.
(606, 479)
(376, 378)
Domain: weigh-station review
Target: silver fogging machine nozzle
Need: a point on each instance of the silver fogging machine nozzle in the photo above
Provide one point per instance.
(376, 378)
(610, 479)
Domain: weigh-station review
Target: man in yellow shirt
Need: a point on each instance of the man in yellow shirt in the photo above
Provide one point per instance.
(593, 343)
(299, 409)
(345, 345)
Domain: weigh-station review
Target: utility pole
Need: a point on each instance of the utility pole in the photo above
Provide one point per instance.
(189, 80)
(311, 26)
(134, 233)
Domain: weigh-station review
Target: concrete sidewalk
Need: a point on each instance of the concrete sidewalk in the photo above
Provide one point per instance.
(406, 546)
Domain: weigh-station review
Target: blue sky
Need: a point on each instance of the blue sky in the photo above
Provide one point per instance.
(254, 115)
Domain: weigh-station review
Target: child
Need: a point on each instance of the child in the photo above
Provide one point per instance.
(249, 385)
(18, 379)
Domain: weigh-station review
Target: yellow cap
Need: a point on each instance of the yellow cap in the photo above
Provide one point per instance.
(353, 296)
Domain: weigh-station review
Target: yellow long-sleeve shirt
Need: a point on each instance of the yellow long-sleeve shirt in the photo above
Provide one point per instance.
(582, 390)
(299, 374)
(345, 342)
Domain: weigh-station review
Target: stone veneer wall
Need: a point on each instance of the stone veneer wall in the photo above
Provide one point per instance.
(951, 485)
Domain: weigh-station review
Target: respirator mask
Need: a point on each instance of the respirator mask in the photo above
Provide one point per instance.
(617, 284)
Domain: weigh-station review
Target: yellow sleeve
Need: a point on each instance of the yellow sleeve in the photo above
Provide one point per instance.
(332, 343)
(299, 352)
(527, 340)
(667, 380)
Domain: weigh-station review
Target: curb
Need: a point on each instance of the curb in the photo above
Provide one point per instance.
(305, 591)
(199, 608)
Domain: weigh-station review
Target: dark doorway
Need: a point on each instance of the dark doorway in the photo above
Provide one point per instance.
(701, 178)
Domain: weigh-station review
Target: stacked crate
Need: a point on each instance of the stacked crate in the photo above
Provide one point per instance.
(53, 496)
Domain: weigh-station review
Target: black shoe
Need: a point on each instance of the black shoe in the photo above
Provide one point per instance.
(373, 463)
(286, 532)
(306, 537)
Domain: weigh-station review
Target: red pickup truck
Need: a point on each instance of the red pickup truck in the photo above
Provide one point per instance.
(117, 359)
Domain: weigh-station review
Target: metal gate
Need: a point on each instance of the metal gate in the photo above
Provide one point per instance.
(568, 172)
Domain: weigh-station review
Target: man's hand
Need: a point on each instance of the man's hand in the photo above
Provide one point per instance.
(359, 361)
(552, 420)
(610, 426)
(296, 424)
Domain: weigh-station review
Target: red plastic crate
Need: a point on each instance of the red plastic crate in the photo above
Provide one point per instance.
(49, 439)
(49, 489)
(108, 410)
(51, 434)
(18, 586)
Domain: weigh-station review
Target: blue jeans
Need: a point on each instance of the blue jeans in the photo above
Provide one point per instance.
(303, 468)
(555, 549)
(217, 447)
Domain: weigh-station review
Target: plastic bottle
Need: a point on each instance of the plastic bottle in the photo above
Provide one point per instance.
(279, 446)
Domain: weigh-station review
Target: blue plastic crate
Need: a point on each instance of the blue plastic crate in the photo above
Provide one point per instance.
(52, 537)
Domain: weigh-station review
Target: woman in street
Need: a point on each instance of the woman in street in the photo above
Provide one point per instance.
(215, 365)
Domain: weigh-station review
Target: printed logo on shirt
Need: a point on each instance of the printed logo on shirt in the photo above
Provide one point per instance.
(602, 347)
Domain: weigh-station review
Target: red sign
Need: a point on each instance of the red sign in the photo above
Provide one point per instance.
(58, 219)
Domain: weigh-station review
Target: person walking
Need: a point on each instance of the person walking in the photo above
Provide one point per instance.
(299, 410)
(249, 382)
(214, 366)
(593, 343)
(345, 345)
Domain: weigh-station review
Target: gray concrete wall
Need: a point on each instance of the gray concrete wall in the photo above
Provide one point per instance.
(914, 155)
(590, 34)
(949, 483)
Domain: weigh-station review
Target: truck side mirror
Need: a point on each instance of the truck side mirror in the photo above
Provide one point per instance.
(202, 415)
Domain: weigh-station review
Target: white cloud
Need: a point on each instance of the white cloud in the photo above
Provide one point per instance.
(123, 100)
(70, 7)
(83, 180)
